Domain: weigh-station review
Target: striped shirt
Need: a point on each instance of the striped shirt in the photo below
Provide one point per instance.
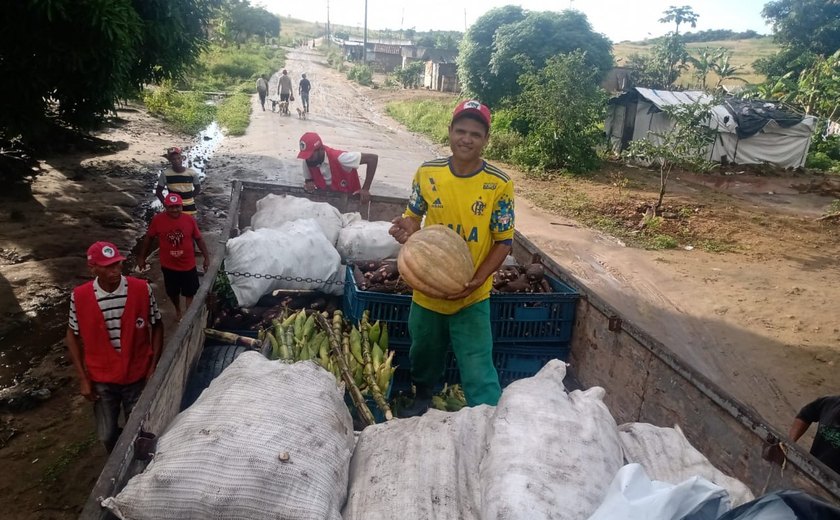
(183, 184)
(112, 305)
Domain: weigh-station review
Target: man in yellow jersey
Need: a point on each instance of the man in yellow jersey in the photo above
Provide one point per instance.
(476, 200)
(179, 179)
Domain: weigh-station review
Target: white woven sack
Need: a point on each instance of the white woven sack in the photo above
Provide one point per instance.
(667, 456)
(275, 210)
(223, 457)
(295, 249)
(551, 454)
(420, 468)
(365, 240)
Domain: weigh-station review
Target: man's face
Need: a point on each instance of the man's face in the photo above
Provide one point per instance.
(316, 158)
(109, 274)
(175, 210)
(467, 139)
(176, 160)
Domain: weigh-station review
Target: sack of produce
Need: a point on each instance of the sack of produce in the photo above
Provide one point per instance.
(419, 468)
(667, 456)
(550, 454)
(363, 240)
(275, 210)
(294, 249)
(264, 440)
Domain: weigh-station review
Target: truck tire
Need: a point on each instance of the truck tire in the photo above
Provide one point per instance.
(214, 359)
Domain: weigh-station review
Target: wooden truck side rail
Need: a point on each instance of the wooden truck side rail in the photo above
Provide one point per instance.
(646, 382)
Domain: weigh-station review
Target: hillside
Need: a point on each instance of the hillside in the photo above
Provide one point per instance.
(744, 53)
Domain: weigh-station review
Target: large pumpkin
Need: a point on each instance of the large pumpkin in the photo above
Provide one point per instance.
(436, 262)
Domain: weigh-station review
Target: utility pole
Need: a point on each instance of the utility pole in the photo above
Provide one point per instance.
(329, 37)
(465, 19)
(364, 45)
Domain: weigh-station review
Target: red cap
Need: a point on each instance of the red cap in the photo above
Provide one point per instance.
(173, 199)
(310, 142)
(172, 150)
(103, 254)
(472, 106)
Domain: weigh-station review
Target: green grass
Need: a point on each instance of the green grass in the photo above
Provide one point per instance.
(744, 53)
(219, 69)
(234, 113)
(427, 117)
(71, 454)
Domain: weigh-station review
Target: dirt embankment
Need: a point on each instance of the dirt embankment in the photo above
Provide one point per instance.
(757, 319)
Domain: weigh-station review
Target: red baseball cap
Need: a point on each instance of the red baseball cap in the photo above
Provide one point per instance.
(172, 150)
(103, 254)
(310, 142)
(173, 199)
(472, 106)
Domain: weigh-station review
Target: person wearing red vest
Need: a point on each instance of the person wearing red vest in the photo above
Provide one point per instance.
(326, 168)
(114, 337)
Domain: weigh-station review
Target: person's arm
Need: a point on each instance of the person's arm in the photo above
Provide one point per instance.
(157, 346)
(797, 429)
(74, 347)
(370, 160)
(196, 184)
(492, 262)
(144, 250)
(409, 222)
(202, 246)
(159, 193)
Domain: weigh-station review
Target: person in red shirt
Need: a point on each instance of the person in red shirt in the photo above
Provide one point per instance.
(326, 168)
(114, 338)
(176, 231)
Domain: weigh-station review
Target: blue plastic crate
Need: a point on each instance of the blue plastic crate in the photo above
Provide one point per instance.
(392, 309)
(534, 317)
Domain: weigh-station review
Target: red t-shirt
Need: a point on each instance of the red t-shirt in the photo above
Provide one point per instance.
(176, 236)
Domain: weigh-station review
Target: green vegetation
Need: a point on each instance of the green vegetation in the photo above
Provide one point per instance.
(508, 41)
(234, 113)
(430, 118)
(69, 456)
(232, 70)
(361, 74)
(186, 111)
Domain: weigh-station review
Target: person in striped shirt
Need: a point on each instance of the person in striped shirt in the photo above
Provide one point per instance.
(114, 337)
(179, 179)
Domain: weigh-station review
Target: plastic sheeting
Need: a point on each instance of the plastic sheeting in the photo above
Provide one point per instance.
(784, 505)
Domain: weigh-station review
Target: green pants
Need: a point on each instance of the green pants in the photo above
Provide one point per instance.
(468, 331)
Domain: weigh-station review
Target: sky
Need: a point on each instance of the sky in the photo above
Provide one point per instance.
(619, 20)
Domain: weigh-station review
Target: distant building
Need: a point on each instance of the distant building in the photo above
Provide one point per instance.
(441, 71)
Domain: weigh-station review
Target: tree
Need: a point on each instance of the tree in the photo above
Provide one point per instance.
(726, 70)
(680, 15)
(75, 59)
(661, 68)
(477, 48)
(562, 104)
(686, 145)
(704, 63)
(529, 41)
(805, 29)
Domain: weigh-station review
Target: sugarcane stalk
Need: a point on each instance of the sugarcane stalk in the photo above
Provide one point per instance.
(233, 339)
(369, 377)
(334, 335)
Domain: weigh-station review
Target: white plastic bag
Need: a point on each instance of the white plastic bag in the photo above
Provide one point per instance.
(667, 456)
(634, 496)
(363, 240)
(266, 440)
(550, 454)
(295, 249)
(420, 468)
(275, 210)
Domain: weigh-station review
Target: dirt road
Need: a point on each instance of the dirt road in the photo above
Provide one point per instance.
(758, 321)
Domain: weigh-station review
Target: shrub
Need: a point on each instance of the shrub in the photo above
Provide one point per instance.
(361, 74)
(819, 161)
(187, 111)
(663, 242)
(427, 117)
(234, 113)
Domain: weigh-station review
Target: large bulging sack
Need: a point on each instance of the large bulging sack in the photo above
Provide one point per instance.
(667, 455)
(550, 454)
(420, 468)
(295, 249)
(275, 210)
(265, 440)
(363, 240)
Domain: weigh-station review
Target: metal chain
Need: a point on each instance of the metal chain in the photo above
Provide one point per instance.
(284, 278)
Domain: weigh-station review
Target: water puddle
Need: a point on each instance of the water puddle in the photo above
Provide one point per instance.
(197, 155)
